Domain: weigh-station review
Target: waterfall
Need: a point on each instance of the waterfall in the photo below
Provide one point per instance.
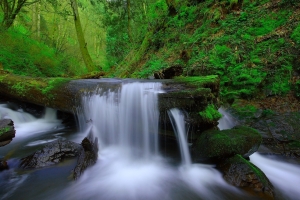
(126, 117)
(27, 125)
(227, 121)
(177, 120)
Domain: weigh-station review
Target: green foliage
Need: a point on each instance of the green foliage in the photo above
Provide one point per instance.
(296, 34)
(158, 11)
(155, 64)
(297, 89)
(199, 81)
(210, 113)
(22, 55)
(244, 111)
(19, 88)
(53, 83)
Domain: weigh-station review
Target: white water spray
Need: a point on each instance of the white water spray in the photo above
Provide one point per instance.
(27, 125)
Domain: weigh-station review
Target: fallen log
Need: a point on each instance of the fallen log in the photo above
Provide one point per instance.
(59, 93)
(196, 95)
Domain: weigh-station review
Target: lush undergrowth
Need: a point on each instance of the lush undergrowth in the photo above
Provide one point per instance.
(252, 45)
(22, 55)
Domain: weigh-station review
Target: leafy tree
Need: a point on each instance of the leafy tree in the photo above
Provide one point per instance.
(11, 9)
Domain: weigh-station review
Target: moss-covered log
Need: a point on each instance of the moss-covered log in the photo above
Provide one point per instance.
(59, 93)
(196, 95)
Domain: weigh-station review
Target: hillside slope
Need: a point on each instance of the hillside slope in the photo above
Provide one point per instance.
(252, 45)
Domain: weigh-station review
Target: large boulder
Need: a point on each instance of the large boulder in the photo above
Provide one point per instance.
(241, 173)
(55, 152)
(7, 131)
(51, 154)
(216, 145)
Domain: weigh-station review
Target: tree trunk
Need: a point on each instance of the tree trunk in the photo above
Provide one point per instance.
(10, 10)
(129, 19)
(38, 25)
(80, 37)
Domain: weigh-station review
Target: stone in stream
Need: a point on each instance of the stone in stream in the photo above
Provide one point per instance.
(57, 151)
(3, 164)
(241, 173)
(216, 145)
(88, 157)
(7, 131)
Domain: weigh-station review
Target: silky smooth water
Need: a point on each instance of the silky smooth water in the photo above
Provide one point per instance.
(284, 176)
(178, 123)
(129, 166)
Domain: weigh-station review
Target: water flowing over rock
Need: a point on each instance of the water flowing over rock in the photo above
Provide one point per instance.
(7, 131)
(88, 157)
(241, 173)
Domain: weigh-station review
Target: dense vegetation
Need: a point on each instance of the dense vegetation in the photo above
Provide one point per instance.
(252, 45)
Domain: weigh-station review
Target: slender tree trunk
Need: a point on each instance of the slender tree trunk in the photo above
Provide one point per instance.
(129, 19)
(80, 37)
(38, 25)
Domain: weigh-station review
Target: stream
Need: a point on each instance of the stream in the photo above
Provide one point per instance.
(131, 163)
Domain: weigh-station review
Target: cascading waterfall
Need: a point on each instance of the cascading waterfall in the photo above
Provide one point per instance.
(130, 167)
(178, 123)
(126, 118)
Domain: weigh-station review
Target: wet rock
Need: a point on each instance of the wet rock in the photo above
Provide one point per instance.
(7, 131)
(3, 164)
(51, 154)
(241, 173)
(88, 157)
(57, 151)
(216, 145)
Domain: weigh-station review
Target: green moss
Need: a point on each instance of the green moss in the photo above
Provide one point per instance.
(210, 113)
(199, 81)
(4, 130)
(19, 88)
(296, 34)
(53, 83)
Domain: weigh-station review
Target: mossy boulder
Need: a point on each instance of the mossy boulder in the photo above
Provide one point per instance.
(242, 173)
(7, 131)
(217, 145)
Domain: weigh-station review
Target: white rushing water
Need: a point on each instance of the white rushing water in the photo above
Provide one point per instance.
(130, 166)
(178, 123)
(27, 125)
(283, 175)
